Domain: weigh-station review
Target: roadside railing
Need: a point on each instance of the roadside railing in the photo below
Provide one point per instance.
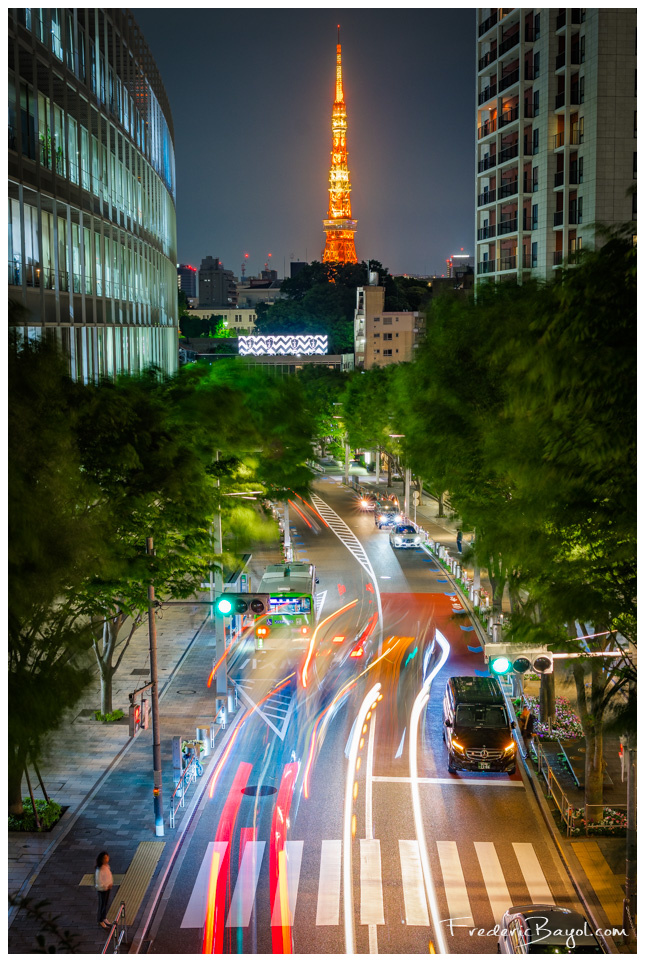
(188, 775)
(118, 933)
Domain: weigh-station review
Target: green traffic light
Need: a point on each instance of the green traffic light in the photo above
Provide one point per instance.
(500, 665)
(224, 606)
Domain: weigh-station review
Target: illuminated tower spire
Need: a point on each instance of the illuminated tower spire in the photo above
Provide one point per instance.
(339, 227)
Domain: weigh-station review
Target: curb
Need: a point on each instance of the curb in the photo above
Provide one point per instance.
(51, 848)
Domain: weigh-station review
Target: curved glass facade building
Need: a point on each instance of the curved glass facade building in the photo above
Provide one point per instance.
(92, 233)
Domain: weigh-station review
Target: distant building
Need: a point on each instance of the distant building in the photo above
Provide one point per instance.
(216, 285)
(187, 279)
(457, 262)
(556, 134)
(461, 284)
(383, 337)
(259, 293)
(297, 266)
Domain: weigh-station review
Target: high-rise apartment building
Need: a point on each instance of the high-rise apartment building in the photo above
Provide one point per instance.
(91, 167)
(556, 134)
(187, 279)
(217, 286)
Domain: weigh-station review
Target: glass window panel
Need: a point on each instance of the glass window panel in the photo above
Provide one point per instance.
(85, 159)
(11, 102)
(44, 132)
(69, 40)
(27, 121)
(56, 31)
(15, 247)
(58, 142)
(63, 276)
(72, 149)
(98, 264)
(48, 249)
(76, 259)
(95, 166)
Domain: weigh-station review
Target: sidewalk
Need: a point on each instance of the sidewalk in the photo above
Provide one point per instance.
(104, 778)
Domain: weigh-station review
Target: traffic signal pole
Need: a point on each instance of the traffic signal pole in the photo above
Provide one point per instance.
(216, 586)
(156, 731)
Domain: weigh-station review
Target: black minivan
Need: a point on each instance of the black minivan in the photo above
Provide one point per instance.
(477, 729)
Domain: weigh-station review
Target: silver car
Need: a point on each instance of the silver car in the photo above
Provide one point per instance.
(404, 536)
(549, 929)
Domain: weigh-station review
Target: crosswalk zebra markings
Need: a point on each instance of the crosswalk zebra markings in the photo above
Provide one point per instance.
(533, 875)
(196, 909)
(498, 894)
(239, 913)
(454, 885)
(371, 885)
(327, 912)
(414, 896)
(293, 852)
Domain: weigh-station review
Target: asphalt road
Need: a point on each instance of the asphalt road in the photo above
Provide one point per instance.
(270, 854)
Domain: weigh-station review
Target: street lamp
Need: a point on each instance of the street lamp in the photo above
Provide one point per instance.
(407, 481)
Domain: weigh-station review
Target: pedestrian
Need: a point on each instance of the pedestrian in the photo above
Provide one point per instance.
(528, 728)
(103, 884)
(459, 538)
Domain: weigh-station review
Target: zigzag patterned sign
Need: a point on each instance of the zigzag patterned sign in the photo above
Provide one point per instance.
(283, 344)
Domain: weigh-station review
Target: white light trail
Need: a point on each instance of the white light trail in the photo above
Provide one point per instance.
(419, 704)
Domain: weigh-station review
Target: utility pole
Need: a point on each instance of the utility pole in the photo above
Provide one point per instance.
(216, 587)
(346, 460)
(156, 731)
(288, 553)
(406, 492)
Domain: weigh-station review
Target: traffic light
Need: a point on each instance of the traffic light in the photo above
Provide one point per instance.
(239, 604)
(134, 719)
(504, 658)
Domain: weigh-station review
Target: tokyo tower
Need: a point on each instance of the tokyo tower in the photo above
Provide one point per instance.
(339, 226)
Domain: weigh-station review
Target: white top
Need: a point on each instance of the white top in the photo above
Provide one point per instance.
(103, 878)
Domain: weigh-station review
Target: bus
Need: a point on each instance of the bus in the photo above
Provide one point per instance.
(292, 614)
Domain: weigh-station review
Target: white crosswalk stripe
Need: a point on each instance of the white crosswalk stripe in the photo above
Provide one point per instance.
(455, 890)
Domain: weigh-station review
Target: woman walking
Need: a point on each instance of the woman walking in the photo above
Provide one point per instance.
(103, 883)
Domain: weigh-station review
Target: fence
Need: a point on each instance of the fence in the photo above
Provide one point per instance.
(189, 775)
(118, 933)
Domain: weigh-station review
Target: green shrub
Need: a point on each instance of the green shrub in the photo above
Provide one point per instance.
(110, 717)
(48, 813)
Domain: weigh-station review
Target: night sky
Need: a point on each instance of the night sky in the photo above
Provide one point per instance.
(251, 94)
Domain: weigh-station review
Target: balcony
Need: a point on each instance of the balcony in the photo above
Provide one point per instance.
(487, 128)
(560, 61)
(558, 218)
(557, 258)
(486, 267)
(558, 140)
(487, 163)
(484, 233)
(575, 216)
(487, 24)
(508, 116)
(507, 263)
(576, 137)
(529, 186)
(508, 153)
(508, 190)
(488, 197)
(509, 42)
(509, 80)
(561, 21)
(559, 100)
(487, 59)
(507, 227)
(487, 94)
(528, 109)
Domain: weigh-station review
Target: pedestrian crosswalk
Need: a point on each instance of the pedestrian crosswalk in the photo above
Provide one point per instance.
(476, 882)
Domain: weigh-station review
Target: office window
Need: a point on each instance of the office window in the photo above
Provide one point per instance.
(57, 38)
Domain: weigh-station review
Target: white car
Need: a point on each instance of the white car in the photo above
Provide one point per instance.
(404, 536)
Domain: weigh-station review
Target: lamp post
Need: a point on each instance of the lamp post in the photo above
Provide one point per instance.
(154, 693)
(407, 480)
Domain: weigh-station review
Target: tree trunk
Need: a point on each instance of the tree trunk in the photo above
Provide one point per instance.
(497, 583)
(110, 629)
(594, 768)
(389, 470)
(107, 674)
(441, 513)
(547, 698)
(591, 719)
(16, 767)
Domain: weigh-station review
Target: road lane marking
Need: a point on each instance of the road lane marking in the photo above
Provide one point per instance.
(414, 895)
(455, 886)
(399, 750)
(498, 894)
(195, 913)
(488, 783)
(369, 768)
(328, 910)
(533, 875)
(239, 913)
(293, 851)
(371, 885)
